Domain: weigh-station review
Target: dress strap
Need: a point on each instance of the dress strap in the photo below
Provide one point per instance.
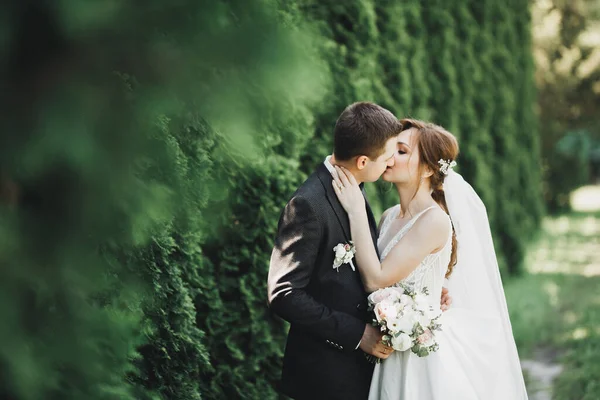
(388, 219)
(402, 230)
(414, 219)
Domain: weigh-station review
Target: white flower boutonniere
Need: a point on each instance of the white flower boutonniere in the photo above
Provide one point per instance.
(344, 253)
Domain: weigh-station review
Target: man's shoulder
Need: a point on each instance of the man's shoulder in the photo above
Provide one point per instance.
(311, 190)
(308, 202)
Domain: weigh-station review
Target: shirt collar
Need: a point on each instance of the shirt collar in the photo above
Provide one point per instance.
(332, 170)
(328, 165)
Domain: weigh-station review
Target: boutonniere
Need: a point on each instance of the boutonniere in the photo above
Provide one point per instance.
(344, 253)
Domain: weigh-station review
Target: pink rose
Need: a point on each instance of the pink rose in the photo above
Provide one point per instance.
(378, 312)
(385, 310)
(426, 338)
(382, 294)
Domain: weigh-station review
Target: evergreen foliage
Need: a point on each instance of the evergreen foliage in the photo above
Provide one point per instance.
(149, 151)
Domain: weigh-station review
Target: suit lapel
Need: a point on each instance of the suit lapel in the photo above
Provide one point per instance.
(340, 213)
(342, 216)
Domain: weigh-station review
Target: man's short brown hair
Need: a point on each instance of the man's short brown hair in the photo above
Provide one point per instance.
(363, 128)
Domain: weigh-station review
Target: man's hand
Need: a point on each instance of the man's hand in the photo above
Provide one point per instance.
(371, 343)
(446, 300)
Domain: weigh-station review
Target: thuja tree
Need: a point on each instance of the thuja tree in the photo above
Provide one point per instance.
(148, 151)
(464, 65)
(133, 136)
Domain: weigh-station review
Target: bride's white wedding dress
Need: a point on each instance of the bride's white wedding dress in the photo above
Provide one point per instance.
(471, 362)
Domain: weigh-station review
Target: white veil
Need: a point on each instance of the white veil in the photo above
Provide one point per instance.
(476, 287)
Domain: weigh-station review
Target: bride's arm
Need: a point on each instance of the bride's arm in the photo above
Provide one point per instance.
(427, 235)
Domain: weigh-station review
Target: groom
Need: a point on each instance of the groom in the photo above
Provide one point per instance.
(326, 306)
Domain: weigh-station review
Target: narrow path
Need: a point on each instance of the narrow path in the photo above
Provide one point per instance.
(569, 247)
(541, 371)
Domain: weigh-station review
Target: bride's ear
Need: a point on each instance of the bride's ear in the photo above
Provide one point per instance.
(427, 172)
(361, 162)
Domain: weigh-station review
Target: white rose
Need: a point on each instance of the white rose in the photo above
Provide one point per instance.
(339, 251)
(377, 296)
(421, 301)
(386, 310)
(378, 312)
(336, 263)
(423, 320)
(402, 342)
(393, 324)
(406, 300)
(405, 324)
(394, 293)
(391, 308)
(390, 294)
(409, 312)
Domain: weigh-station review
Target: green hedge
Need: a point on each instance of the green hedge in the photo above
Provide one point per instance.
(152, 174)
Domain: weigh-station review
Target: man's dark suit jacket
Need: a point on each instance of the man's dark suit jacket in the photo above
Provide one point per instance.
(327, 308)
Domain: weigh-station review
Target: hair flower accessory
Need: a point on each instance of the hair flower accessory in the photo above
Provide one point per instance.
(446, 165)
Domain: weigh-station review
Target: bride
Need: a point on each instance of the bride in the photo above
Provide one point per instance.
(438, 233)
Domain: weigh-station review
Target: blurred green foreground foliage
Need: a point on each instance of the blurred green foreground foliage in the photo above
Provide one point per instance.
(147, 149)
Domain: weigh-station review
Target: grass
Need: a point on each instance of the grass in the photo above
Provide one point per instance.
(555, 308)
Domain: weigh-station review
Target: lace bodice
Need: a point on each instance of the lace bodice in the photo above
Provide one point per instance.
(431, 271)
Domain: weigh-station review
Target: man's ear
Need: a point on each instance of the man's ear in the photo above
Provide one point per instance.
(361, 162)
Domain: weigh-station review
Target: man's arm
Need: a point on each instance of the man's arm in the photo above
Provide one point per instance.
(292, 264)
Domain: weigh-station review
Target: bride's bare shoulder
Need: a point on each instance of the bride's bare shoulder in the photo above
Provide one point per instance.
(434, 223)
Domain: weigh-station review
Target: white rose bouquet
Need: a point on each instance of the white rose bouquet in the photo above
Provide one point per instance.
(406, 319)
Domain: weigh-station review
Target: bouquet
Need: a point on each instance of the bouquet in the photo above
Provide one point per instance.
(406, 319)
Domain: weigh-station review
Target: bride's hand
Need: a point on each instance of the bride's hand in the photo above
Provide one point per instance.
(347, 191)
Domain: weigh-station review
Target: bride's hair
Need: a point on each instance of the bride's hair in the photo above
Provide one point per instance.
(435, 143)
